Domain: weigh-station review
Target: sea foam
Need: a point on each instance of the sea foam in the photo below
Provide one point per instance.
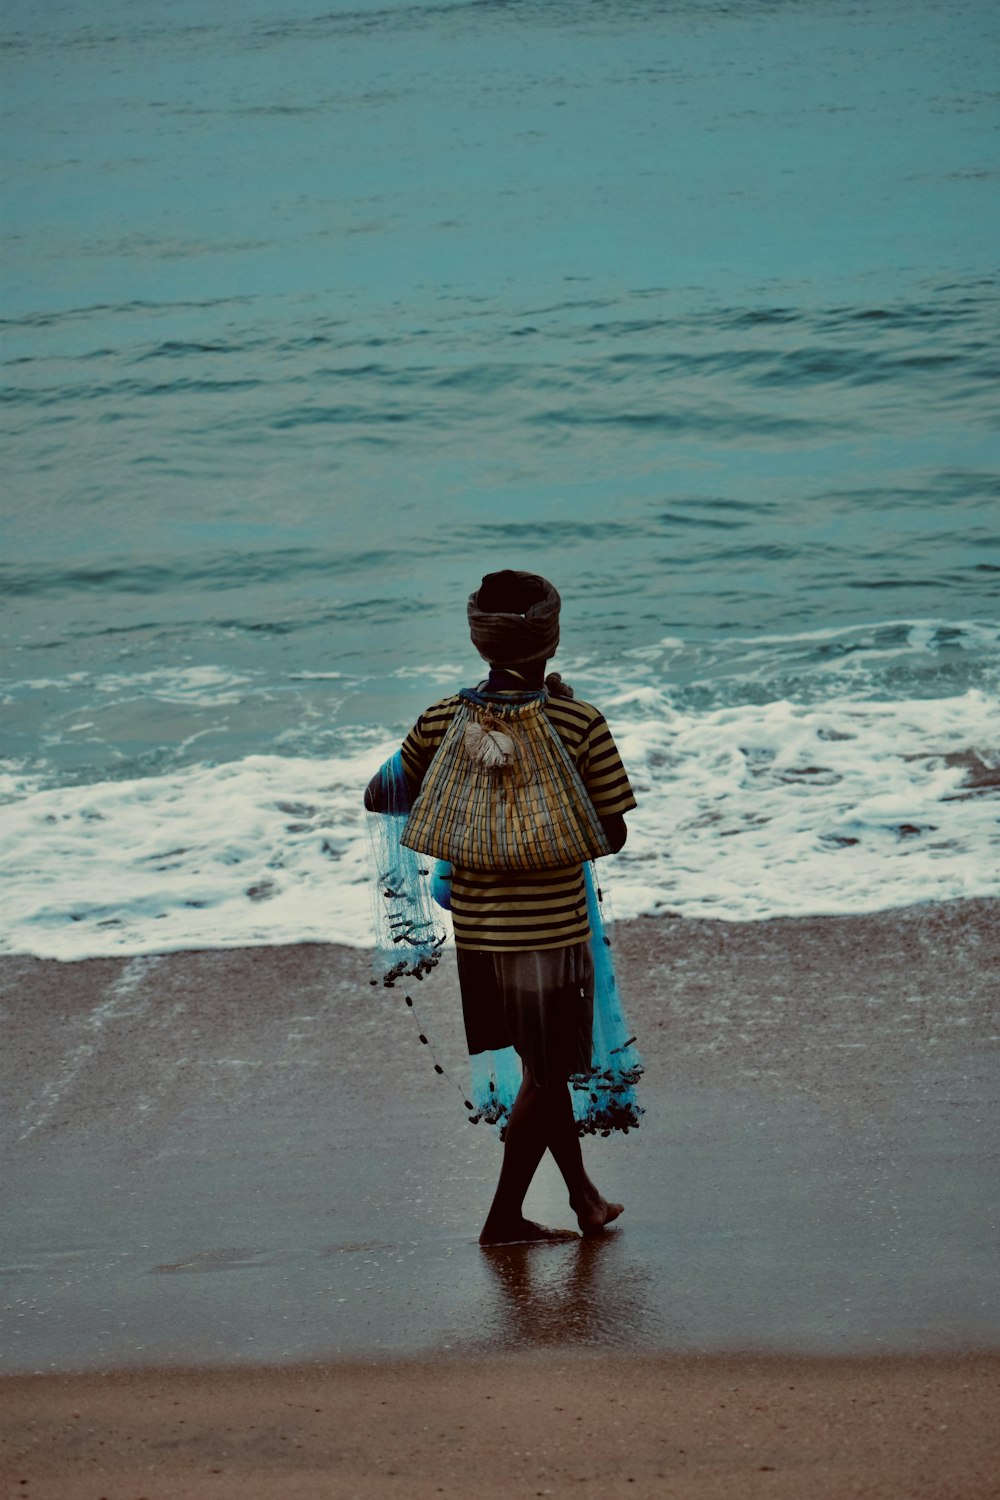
(745, 812)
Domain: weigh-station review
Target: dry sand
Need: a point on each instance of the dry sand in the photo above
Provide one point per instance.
(689, 1428)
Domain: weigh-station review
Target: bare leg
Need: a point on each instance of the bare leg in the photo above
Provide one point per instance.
(542, 1117)
(593, 1211)
(524, 1145)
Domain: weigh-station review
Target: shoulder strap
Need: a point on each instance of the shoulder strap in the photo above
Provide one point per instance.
(527, 705)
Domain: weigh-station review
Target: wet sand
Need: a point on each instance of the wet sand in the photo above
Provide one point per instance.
(246, 1156)
(221, 1165)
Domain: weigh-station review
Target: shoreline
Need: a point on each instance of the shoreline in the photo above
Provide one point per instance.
(947, 910)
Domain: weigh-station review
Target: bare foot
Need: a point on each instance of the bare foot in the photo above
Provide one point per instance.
(522, 1231)
(596, 1216)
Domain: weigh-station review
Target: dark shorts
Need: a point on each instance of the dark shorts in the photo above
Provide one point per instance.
(540, 1002)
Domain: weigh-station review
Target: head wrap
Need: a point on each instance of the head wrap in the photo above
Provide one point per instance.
(514, 618)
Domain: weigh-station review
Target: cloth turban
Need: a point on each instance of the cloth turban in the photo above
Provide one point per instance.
(514, 618)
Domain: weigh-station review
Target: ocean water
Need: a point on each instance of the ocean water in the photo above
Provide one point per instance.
(313, 315)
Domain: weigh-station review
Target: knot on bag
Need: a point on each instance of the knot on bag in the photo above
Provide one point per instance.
(489, 745)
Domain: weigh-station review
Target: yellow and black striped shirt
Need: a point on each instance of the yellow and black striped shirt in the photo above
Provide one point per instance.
(508, 912)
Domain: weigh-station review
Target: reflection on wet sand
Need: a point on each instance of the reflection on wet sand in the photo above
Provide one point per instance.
(816, 1171)
(584, 1292)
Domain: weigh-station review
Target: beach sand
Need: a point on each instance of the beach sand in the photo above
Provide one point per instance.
(685, 1427)
(234, 1182)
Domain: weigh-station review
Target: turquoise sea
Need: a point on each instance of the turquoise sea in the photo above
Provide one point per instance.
(313, 314)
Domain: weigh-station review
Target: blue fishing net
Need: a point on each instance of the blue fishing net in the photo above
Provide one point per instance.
(605, 1099)
(409, 930)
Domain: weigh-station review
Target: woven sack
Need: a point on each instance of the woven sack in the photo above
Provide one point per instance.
(502, 792)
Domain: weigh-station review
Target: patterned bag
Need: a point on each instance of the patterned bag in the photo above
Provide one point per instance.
(502, 792)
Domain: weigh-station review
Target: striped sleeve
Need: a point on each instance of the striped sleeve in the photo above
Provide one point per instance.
(421, 743)
(602, 771)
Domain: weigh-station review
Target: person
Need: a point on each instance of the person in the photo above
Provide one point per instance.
(522, 938)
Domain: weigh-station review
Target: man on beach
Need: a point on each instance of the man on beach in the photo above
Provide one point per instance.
(523, 937)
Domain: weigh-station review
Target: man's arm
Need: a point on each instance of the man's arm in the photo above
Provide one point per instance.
(375, 794)
(606, 781)
(387, 794)
(615, 830)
